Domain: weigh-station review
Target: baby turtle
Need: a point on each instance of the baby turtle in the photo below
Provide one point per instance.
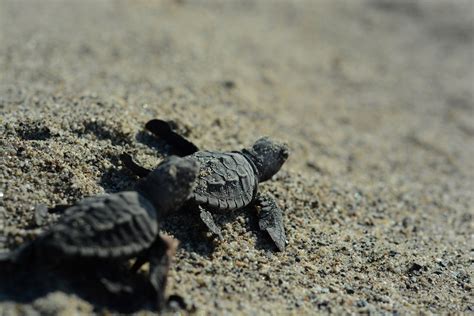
(227, 180)
(117, 227)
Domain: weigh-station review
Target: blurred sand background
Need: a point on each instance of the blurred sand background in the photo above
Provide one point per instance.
(375, 99)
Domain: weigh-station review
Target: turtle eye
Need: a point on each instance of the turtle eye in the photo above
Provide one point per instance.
(285, 153)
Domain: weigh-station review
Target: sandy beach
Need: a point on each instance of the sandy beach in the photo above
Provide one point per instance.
(374, 99)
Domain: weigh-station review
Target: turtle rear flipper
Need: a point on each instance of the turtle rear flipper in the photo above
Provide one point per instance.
(130, 164)
(41, 212)
(208, 220)
(271, 220)
(40, 215)
(164, 131)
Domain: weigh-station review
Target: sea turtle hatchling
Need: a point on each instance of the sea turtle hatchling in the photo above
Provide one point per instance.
(227, 180)
(118, 227)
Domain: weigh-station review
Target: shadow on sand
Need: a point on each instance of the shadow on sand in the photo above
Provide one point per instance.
(109, 286)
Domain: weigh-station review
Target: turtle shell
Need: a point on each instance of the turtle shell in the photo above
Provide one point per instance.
(226, 181)
(118, 225)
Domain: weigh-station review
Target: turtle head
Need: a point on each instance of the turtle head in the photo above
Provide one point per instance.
(268, 156)
(169, 185)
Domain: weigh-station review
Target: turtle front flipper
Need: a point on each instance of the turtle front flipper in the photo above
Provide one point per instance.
(271, 220)
(164, 131)
(208, 220)
(161, 254)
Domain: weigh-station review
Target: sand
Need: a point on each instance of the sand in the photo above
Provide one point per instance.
(374, 98)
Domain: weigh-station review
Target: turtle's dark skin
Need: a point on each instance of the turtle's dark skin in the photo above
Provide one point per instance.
(228, 180)
(117, 227)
